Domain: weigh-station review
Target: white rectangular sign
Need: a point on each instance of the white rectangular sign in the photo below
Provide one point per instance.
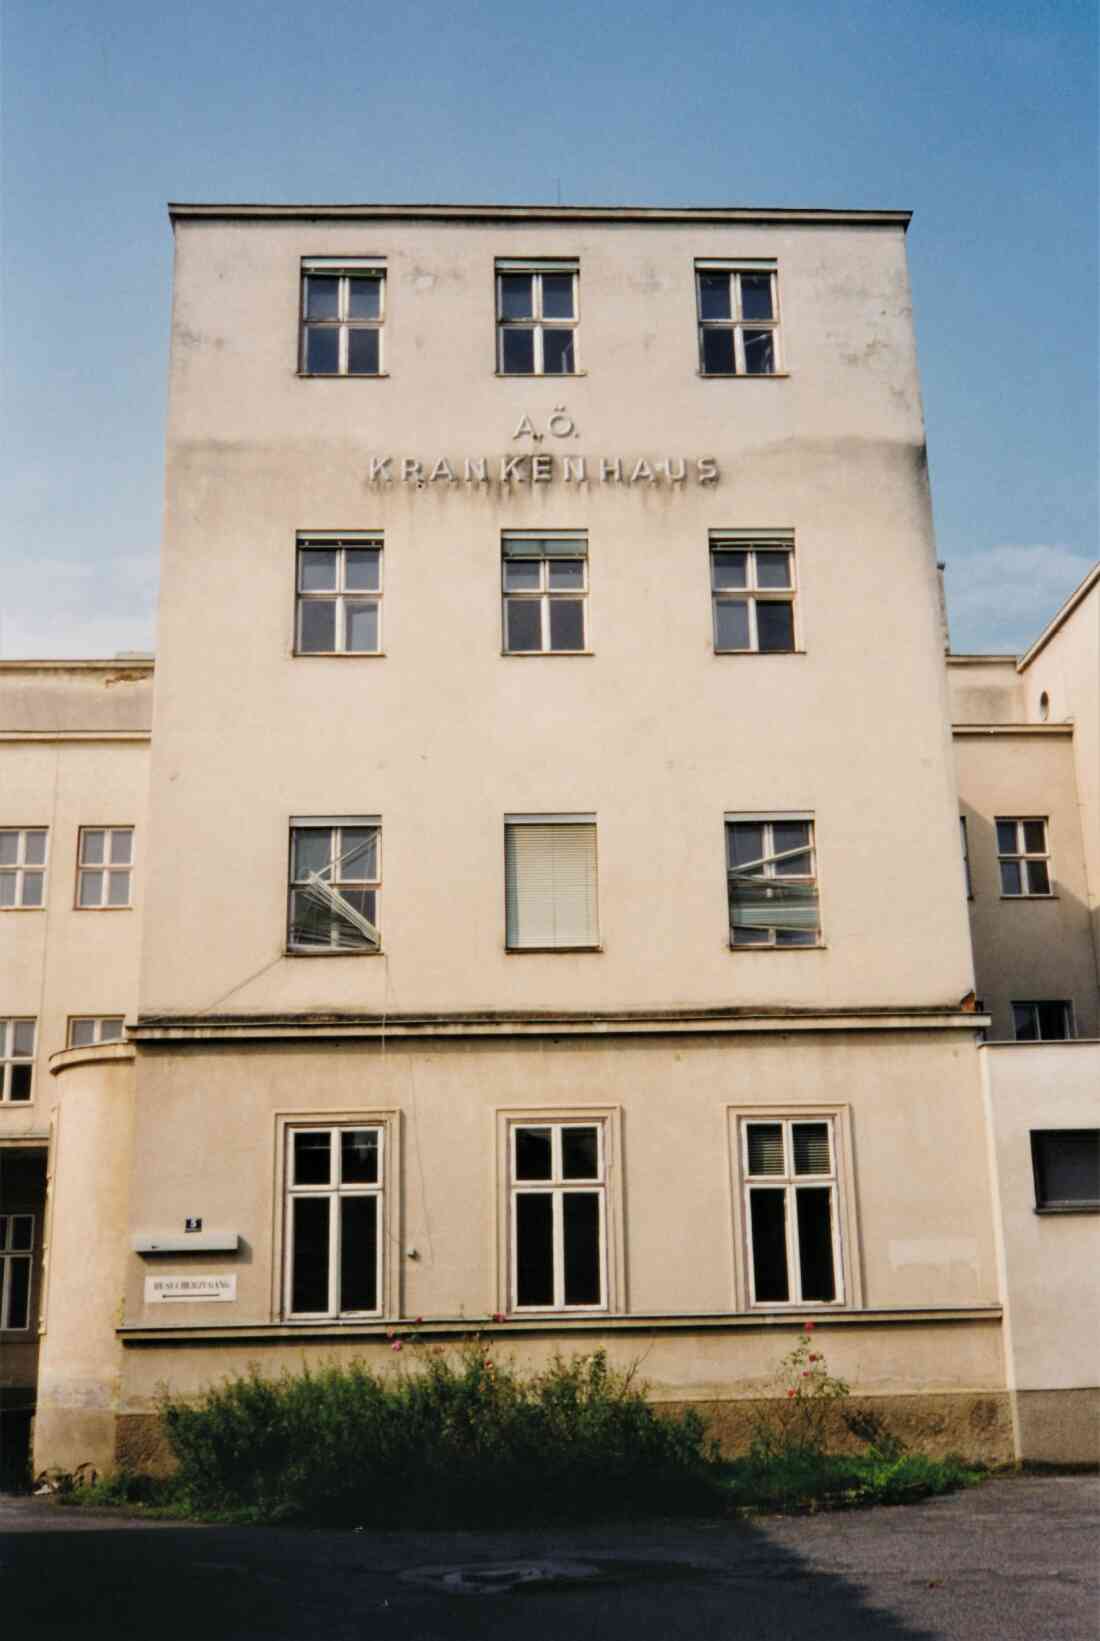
(162, 1290)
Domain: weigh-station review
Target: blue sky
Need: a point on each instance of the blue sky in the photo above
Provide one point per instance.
(980, 117)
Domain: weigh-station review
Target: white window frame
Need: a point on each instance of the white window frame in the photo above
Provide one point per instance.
(9, 1059)
(98, 1023)
(736, 321)
(537, 323)
(339, 542)
(9, 1256)
(345, 269)
(381, 1124)
(768, 820)
(18, 871)
(844, 1221)
(544, 594)
(586, 820)
(335, 825)
(106, 869)
(1024, 857)
(1035, 1003)
(751, 543)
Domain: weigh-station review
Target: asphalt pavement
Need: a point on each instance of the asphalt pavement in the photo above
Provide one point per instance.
(1014, 1560)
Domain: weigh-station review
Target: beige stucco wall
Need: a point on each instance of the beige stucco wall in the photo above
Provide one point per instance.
(1027, 949)
(985, 689)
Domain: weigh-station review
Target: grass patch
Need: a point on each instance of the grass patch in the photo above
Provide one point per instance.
(795, 1483)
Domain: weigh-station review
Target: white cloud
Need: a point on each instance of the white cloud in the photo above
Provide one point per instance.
(1001, 599)
(75, 607)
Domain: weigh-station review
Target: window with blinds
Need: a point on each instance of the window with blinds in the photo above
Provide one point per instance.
(791, 1220)
(550, 882)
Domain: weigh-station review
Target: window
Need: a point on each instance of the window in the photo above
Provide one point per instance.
(335, 1232)
(1066, 1165)
(966, 859)
(558, 1219)
(23, 867)
(772, 876)
(106, 861)
(791, 1213)
(545, 581)
(16, 1059)
(85, 1029)
(537, 318)
(339, 595)
(335, 884)
(1023, 856)
(342, 314)
(738, 318)
(16, 1253)
(752, 593)
(1042, 1022)
(550, 882)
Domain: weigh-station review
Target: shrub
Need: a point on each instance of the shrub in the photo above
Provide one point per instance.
(797, 1421)
(457, 1439)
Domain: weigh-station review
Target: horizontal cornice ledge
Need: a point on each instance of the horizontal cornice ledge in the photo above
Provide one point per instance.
(153, 1029)
(53, 735)
(184, 211)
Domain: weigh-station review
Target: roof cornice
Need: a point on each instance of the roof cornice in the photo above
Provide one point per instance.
(1076, 597)
(183, 211)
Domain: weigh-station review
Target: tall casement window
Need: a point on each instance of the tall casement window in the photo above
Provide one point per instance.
(23, 867)
(335, 884)
(105, 867)
(1047, 1022)
(16, 1059)
(771, 869)
(752, 592)
(558, 1215)
(550, 882)
(738, 305)
(335, 1237)
(537, 307)
(545, 592)
(343, 310)
(1023, 855)
(16, 1254)
(790, 1211)
(339, 598)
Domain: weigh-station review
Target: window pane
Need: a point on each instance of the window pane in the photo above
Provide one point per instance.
(345, 931)
(363, 353)
(580, 1153)
(81, 1033)
(557, 296)
(1038, 878)
(322, 297)
(774, 626)
(522, 574)
(9, 848)
(523, 624)
(22, 1232)
(566, 574)
(361, 628)
(91, 848)
(358, 1253)
(1068, 1167)
(121, 848)
(312, 1159)
(792, 835)
(714, 296)
(110, 1031)
(1035, 837)
(534, 1249)
(581, 1226)
(7, 888)
(515, 297)
(731, 624)
(815, 1243)
(33, 884)
(312, 850)
(23, 1038)
(518, 352)
(317, 626)
(91, 888)
(1025, 1026)
(323, 350)
(1053, 1021)
(317, 569)
(21, 1081)
(358, 854)
(566, 624)
(744, 843)
(759, 352)
(359, 1156)
(365, 299)
(557, 353)
(363, 569)
(773, 569)
(1006, 837)
(729, 569)
(118, 888)
(756, 296)
(310, 1260)
(1010, 878)
(533, 1153)
(765, 1146)
(718, 352)
(34, 849)
(19, 1276)
(769, 1246)
(811, 1148)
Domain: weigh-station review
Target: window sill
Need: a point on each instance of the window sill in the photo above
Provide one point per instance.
(1070, 1208)
(820, 947)
(538, 375)
(338, 655)
(1030, 897)
(292, 951)
(760, 652)
(347, 376)
(103, 908)
(33, 908)
(743, 375)
(527, 951)
(545, 655)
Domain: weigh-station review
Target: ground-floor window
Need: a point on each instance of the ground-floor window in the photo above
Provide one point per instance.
(16, 1254)
(558, 1215)
(335, 1237)
(790, 1209)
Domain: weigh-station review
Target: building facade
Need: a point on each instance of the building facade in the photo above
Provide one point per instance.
(551, 908)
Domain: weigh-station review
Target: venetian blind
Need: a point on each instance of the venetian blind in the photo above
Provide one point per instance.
(550, 876)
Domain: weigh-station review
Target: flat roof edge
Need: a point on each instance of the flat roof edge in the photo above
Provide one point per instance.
(181, 210)
(124, 663)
